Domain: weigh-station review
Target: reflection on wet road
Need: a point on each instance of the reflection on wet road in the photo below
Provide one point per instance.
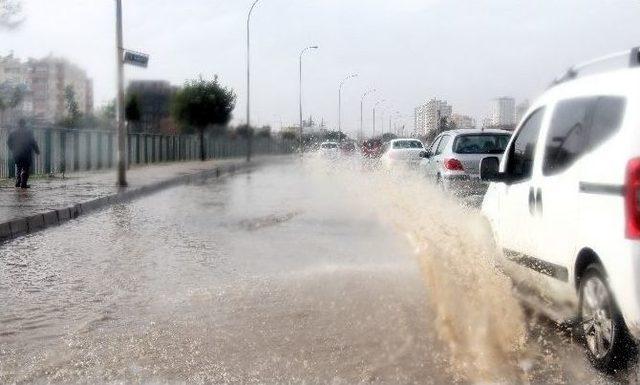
(287, 274)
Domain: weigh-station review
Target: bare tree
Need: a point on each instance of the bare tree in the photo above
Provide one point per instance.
(10, 14)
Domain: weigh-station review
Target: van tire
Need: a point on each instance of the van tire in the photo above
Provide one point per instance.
(599, 313)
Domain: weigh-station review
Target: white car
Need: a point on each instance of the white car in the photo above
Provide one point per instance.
(401, 152)
(564, 206)
(329, 150)
(452, 161)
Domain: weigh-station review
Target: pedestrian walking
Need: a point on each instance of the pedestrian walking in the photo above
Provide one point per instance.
(22, 144)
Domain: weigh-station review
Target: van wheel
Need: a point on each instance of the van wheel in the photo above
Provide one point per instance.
(609, 346)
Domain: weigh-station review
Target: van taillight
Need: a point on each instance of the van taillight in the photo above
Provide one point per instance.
(632, 199)
(453, 165)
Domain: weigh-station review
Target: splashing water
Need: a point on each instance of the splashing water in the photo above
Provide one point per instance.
(476, 315)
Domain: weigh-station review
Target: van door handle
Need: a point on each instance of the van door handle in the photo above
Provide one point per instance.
(532, 201)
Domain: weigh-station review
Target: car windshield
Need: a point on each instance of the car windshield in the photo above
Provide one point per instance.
(407, 144)
(481, 144)
(329, 145)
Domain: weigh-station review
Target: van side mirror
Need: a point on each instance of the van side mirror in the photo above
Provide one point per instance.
(425, 154)
(490, 169)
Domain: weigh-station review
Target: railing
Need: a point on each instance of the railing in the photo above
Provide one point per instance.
(70, 150)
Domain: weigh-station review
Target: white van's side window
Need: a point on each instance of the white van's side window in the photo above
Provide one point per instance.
(607, 119)
(522, 150)
(567, 136)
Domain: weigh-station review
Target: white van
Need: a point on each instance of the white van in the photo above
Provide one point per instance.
(564, 206)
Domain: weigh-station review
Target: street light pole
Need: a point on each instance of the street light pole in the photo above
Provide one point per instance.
(374, 116)
(122, 161)
(361, 111)
(249, 82)
(340, 103)
(301, 130)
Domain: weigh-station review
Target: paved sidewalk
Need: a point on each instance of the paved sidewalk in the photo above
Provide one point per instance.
(52, 201)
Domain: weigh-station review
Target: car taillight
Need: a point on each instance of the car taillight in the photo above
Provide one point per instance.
(632, 199)
(453, 165)
(394, 155)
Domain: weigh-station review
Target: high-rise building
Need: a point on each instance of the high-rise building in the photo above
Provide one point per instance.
(15, 91)
(49, 79)
(429, 116)
(463, 121)
(503, 112)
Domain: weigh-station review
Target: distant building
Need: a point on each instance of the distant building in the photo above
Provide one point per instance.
(14, 89)
(503, 112)
(463, 121)
(48, 79)
(154, 99)
(521, 109)
(429, 116)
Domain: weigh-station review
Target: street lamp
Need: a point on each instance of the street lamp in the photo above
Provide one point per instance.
(340, 102)
(374, 115)
(248, 82)
(122, 163)
(302, 53)
(361, 105)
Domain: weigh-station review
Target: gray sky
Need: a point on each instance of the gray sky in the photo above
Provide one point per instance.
(466, 51)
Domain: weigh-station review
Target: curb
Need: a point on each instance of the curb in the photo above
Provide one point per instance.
(38, 222)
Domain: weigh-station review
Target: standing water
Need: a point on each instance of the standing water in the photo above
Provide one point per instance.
(314, 273)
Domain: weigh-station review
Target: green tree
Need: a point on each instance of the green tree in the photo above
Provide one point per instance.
(132, 110)
(10, 98)
(201, 104)
(73, 117)
(245, 131)
(264, 132)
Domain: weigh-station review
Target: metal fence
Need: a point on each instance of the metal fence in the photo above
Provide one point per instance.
(69, 150)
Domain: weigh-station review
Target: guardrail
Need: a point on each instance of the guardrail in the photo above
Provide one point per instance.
(69, 150)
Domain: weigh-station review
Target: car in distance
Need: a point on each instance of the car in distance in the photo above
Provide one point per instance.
(329, 150)
(372, 148)
(401, 152)
(564, 206)
(453, 159)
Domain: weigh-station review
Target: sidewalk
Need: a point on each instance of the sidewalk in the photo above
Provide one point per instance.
(52, 201)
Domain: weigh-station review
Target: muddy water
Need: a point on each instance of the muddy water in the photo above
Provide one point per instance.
(322, 273)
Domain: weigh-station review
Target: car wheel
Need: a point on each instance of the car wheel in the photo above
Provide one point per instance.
(609, 345)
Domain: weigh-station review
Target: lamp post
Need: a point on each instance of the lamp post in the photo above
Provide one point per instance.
(301, 139)
(340, 103)
(249, 82)
(122, 135)
(374, 116)
(361, 109)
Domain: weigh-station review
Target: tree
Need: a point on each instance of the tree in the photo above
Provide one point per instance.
(10, 97)
(264, 132)
(132, 110)
(201, 104)
(245, 131)
(73, 116)
(10, 14)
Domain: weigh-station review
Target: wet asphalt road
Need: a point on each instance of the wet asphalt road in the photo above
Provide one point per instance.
(281, 275)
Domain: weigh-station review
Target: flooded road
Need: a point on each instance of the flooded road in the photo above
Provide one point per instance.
(286, 274)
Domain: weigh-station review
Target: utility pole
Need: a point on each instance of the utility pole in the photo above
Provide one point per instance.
(122, 135)
(340, 103)
(301, 121)
(249, 82)
(361, 112)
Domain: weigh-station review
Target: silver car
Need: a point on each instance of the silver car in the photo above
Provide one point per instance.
(453, 159)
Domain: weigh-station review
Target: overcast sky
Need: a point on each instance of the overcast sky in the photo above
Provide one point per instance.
(465, 51)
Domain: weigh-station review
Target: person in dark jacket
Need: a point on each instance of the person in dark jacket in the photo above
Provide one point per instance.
(22, 145)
